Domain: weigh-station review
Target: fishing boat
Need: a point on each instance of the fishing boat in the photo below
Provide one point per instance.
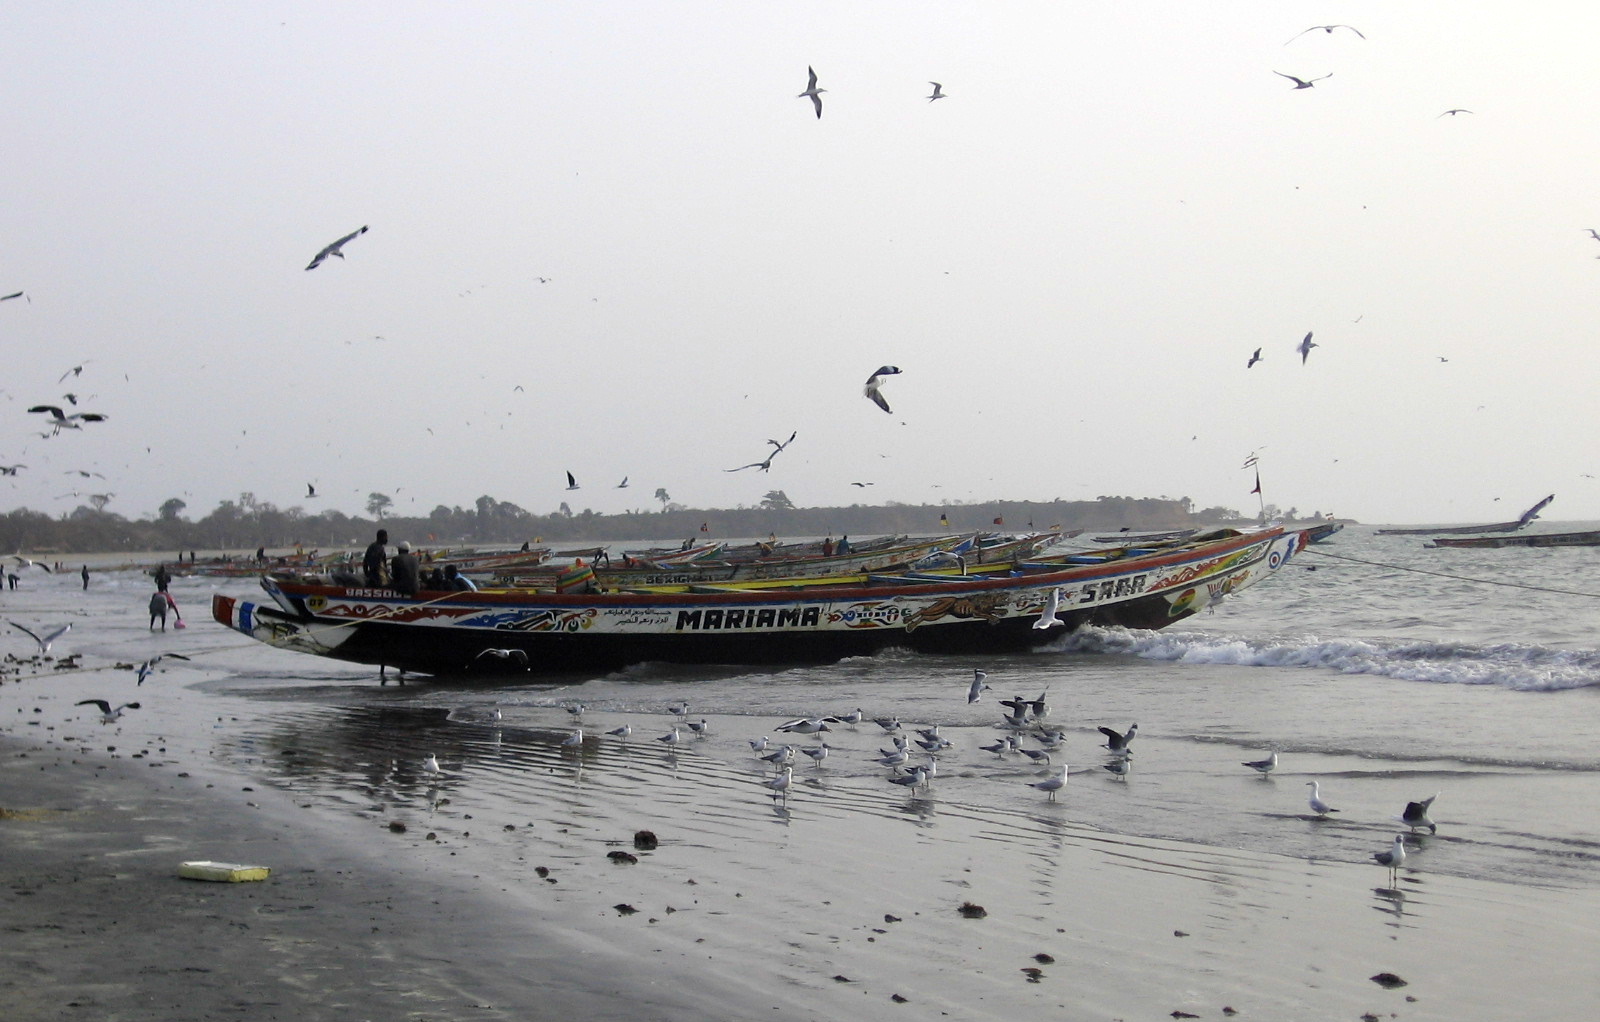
(635, 571)
(1474, 530)
(1534, 539)
(979, 610)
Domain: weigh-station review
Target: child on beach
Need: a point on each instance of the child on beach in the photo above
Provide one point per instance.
(158, 609)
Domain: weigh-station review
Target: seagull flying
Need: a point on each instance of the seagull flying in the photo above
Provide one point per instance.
(23, 562)
(55, 633)
(938, 92)
(311, 490)
(107, 714)
(875, 381)
(1048, 619)
(519, 655)
(572, 483)
(149, 666)
(1326, 28)
(1118, 743)
(334, 249)
(10, 470)
(1253, 359)
(14, 294)
(76, 370)
(1452, 113)
(624, 484)
(60, 420)
(1305, 346)
(1302, 83)
(814, 92)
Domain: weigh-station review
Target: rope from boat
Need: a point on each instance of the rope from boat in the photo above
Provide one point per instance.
(1446, 574)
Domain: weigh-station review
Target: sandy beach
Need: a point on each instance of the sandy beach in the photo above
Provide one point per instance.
(491, 891)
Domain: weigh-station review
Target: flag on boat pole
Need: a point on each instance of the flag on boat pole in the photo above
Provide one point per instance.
(944, 521)
(1257, 490)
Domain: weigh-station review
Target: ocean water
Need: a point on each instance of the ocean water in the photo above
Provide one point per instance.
(1384, 670)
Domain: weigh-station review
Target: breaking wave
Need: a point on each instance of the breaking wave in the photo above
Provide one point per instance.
(1520, 666)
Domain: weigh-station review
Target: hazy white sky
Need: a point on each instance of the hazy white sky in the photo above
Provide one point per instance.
(1071, 257)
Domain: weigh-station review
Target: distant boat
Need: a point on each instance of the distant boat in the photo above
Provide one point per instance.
(1473, 530)
(1533, 539)
(1318, 533)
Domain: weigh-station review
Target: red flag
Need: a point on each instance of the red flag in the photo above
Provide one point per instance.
(705, 527)
(1258, 482)
(999, 520)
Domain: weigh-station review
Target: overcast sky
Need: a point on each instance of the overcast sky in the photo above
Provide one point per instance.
(610, 238)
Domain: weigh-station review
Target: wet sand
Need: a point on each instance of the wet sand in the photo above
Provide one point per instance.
(499, 898)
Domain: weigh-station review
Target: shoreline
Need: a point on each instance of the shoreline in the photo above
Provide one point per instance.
(792, 921)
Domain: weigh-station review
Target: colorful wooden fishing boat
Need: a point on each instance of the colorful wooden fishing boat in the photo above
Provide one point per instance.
(806, 621)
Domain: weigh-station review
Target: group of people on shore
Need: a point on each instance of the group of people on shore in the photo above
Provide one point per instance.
(403, 572)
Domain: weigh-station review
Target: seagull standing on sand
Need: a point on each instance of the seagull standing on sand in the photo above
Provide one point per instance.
(817, 754)
(1264, 766)
(1305, 346)
(671, 738)
(621, 732)
(430, 764)
(875, 383)
(55, 633)
(1051, 785)
(812, 91)
(1394, 858)
(1303, 83)
(975, 690)
(334, 249)
(1416, 815)
(938, 92)
(1318, 806)
(915, 778)
(1052, 606)
(574, 739)
(107, 714)
(780, 784)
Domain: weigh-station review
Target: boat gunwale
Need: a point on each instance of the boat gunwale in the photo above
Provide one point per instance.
(802, 592)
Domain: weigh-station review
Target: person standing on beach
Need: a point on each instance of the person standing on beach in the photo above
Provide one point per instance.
(85, 574)
(405, 571)
(158, 609)
(163, 578)
(372, 564)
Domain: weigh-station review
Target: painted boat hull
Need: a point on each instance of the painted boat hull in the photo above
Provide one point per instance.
(447, 633)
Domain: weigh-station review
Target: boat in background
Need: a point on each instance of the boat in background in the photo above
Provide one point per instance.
(1540, 539)
(1007, 607)
(1471, 530)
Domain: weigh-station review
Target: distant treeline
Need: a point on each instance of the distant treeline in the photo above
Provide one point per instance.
(246, 524)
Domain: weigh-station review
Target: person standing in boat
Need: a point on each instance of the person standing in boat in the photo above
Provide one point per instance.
(405, 571)
(827, 547)
(844, 545)
(376, 557)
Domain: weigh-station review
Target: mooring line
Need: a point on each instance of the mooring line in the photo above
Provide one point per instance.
(1458, 578)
